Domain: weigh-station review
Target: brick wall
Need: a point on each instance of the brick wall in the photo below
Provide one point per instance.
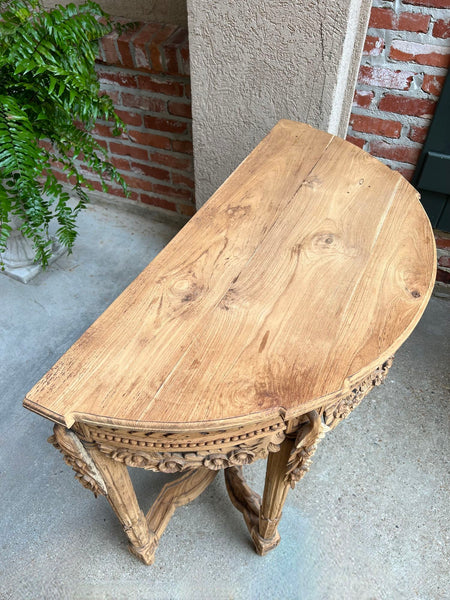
(443, 256)
(404, 64)
(146, 72)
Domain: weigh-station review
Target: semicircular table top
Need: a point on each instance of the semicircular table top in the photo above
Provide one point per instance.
(307, 268)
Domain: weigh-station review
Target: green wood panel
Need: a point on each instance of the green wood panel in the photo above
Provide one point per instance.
(432, 174)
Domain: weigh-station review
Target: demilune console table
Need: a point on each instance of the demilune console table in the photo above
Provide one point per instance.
(259, 327)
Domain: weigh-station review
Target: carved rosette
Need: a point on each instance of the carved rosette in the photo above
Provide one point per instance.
(76, 457)
(333, 414)
(308, 436)
(171, 462)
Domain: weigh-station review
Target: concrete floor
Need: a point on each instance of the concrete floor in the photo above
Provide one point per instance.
(369, 522)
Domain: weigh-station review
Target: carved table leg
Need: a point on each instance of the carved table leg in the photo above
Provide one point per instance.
(103, 475)
(275, 491)
(122, 498)
(284, 469)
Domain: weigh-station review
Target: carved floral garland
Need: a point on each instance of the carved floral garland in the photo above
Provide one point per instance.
(308, 437)
(333, 414)
(76, 457)
(309, 434)
(176, 462)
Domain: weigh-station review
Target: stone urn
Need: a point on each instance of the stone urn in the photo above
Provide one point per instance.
(18, 258)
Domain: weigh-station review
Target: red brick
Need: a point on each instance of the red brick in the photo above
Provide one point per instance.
(118, 191)
(444, 261)
(149, 139)
(441, 28)
(46, 144)
(433, 84)
(355, 141)
(124, 150)
(418, 134)
(57, 164)
(172, 192)
(102, 143)
(382, 18)
(416, 107)
(117, 77)
(183, 146)
(384, 127)
(115, 96)
(185, 66)
(130, 118)
(109, 47)
(443, 276)
(164, 124)
(125, 46)
(423, 54)
(386, 78)
(405, 154)
(155, 201)
(126, 57)
(94, 184)
(144, 102)
(145, 33)
(442, 239)
(362, 98)
(180, 109)
(415, 22)
(102, 130)
(183, 180)
(141, 41)
(178, 40)
(160, 86)
(429, 3)
(172, 161)
(156, 51)
(138, 183)
(373, 45)
(187, 91)
(120, 163)
(386, 18)
(186, 209)
(150, 171)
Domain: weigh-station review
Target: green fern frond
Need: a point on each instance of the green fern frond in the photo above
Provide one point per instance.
(49, 90)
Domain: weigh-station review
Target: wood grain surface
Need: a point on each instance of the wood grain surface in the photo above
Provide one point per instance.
(308, 267)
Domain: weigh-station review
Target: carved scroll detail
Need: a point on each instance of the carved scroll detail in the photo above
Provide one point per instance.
(332, 415)
(308, 436)
(170, 462)
(77, 457)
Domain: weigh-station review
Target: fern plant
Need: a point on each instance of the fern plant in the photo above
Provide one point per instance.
(49, 91)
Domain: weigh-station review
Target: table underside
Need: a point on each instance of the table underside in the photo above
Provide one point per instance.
(100, 456)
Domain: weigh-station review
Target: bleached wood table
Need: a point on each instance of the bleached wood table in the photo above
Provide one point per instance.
(261, 325)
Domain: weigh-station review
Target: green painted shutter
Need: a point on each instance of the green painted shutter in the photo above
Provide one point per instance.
(432, 174)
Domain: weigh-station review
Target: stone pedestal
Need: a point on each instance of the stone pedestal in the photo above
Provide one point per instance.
(18, 258)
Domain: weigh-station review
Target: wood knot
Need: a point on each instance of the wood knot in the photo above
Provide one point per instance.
(188, 290)
(324, 240)
(312, 182)
(415, 294)
(229, 299)
(237, 211)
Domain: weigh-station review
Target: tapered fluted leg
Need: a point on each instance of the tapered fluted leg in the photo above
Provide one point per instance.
(122, 498)
(105, 476)
(284, 469)
(276, 488)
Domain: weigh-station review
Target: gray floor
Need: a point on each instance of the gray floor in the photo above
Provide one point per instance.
(369, 522)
